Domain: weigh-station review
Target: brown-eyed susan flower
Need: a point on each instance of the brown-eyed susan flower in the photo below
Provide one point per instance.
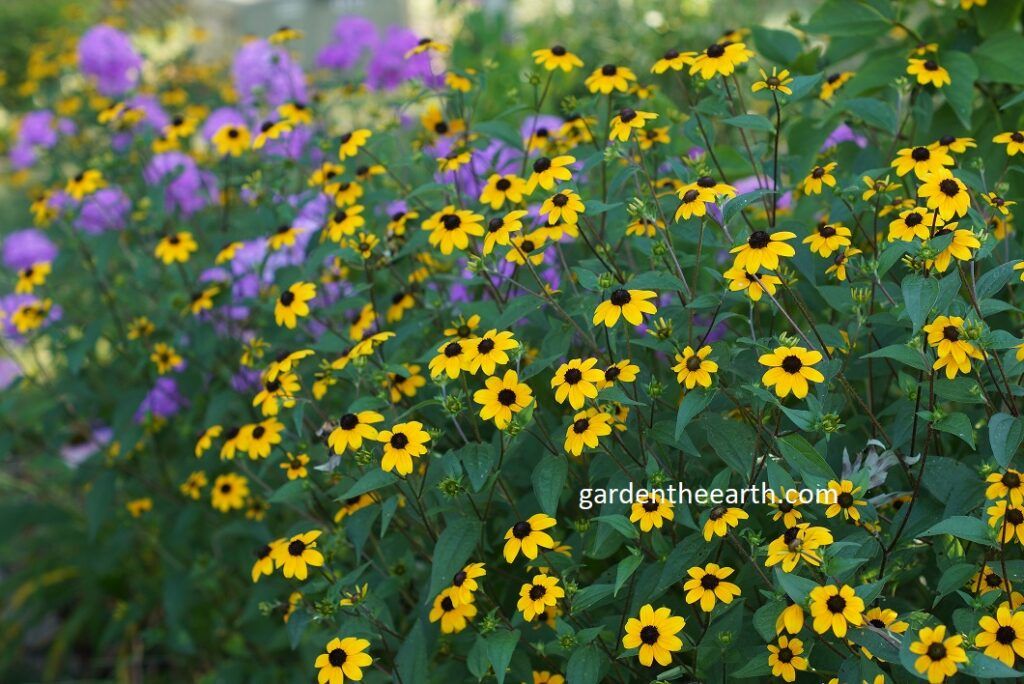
(955, 145)
(928, 72)
(363, 244)
(176, 248)
(354, 504)
(609, 78)
(620, 371)
(352, 429)
(910, 224)
(193, 485)
(458, 82)
(826, 238)
(753, 284)
(343, 658)
(295, 466)
(721, 519)
(503, 397)
(31, 315)
(547, 171)
(402, 443)
(653, 633)
(344, 222)
(645, 227)
(465, 582)
(489, 351)
(650, 511)
(399, 220)
(1007, 485)
(264, 563)
(347, 193)
(451, 228)
(586, 430)
(293, 304)
(136, 507)
(921, 160)
(778, 82)
(454, 160)
(294, 599)
(297, 554)
(799, 543)
(227, 252)
(937, 656)
(843, 498)
(453, 615)
(257, 439)
(557, 57)
(85, 183)
(786, 504)
(165, 358)
(628, 120)
(231, 140)
(205, 440)
(203, 300)
(693, 367)
(426, 45)
(544, 676)
(1002, 636)
(31, 277)
(875, 186)
(763, 249)
(230, 446)
(141, 326)
(707, 585)
(537, 595)
(286, 361)
(785, 659)
(673, 60)
(885, 618)
(649, 137)
(791, 619)
(840, 263)
(400, 303)
(945, 193)
(270, 130)
(564, 205)
(557, 231)
(576, 381)
(1014, 141)
(790, 369)
(450, 359)
(352, 142)
(229, 492)
(1000, 204)
(499, 230)
(946, 335)
(986, 580)
(1007, 520)
(629, 304)
(720, 58)
(529, 537)
(284, 236)
(818, 177)
(500, 189)
(529, 247)
(693, 202)
(835, 607)
(834, 82)
(404, 384)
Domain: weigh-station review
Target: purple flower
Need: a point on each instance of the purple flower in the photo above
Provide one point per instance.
(163, 401)
(82, 446)
(38, 130)
(843, 133)
(106, 209)
(22, 248)
(541, 126)
(106, 55)
(9, 372)
(353, 36)
(246, 380)
(262, 72)
(154, 115)
(389, 68)
(188, 189)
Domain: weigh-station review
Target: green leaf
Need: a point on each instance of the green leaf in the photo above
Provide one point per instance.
(957, 424)
(845, 18)
(372, 480)
(625, 569)
(902, 353)
(732, 440)
(875, 112)
(752, 122)
(1005, 433)
(737, 204)
(986, 667)
(584, 666)
(962, 527)
(999, 58)
(795, 586)
(779, 46)
(804, 458)
(693, 403)
(960, 93)
(620, 524)
(919, 295)
(477, 460)
(548, 481)
(876, 643)
(453, 549)
(500, 648)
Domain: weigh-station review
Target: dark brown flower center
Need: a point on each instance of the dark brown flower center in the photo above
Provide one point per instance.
(949, 187)
(537, 591)
(792, 364)
(920, 154)
(452, 349)
(580, 426)
(506, 397)
(609, 70)
(398, 440)
(951, 333)
(715, 50)
(558, 50)
(836, 604)
(521, 530)
(296, 547)
(1011, 480)
(572, 376)
(650, 635)
(709, 582)
(349, 421)
(620, 297)
(503, 184)
(759, 239)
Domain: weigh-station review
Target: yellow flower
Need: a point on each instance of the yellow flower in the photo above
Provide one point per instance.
(1014, 141)
(791, 619)
(576, 381)
(502, 397)
(928, 72)
(798, 543)
(283, 237)
(292, 304)
(841, 261)
(464, 583)
(921, 160)
(912, 223)
(203, 300)
(454, 160)
(352, 142)
(548, 171)
(257, 439)
(644, 227)
(296, 555)
(501, 189)
(451, 228)
(955, 145)
(529, 536)
(720, 58)
(833, 83)
(193, 485)
(694, 368)
(165, 358)
(819, 176)
(845, 499)
(763, 249)
(628, 120)
(654, 634)
(784, 658)
(176, 248)
(945, 193)
(586, 429)
(651, 511)
(833, 607)
(721, 519)
(986, 580)
(754, 284)
(205, 440)
(827, 238)
(790, 369)
(998, 203)
(674, 60)
(778, 81)
(136, 507)
(876, 186)
(85, 183)
(31, 277)
(499, 230)
(1007, 520)
(264, 564)
(629, 304)
(489, 351)
(352, 429)
(708, 586)
(565, 205)
(954, 354)
(457, 82)
(270, 130)
(608, 78)
(295, 466)
(557, 57)
(537, 595)
(363, 244)
(454, 615)
(1006, 485)
(937, 655)
(426, 45)
(402, 443)
(620, 371)
(229, 492)
(343, 658)
(1002, 637)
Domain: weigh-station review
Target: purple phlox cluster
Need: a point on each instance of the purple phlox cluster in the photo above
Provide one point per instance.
(25, 247)
(188, 188)
(107, 57)
(106, 209)
(81, 446)
(37, 131)
(844, 133)
(388, 67)
(164, 400)
(264, 73)
(353, 37)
